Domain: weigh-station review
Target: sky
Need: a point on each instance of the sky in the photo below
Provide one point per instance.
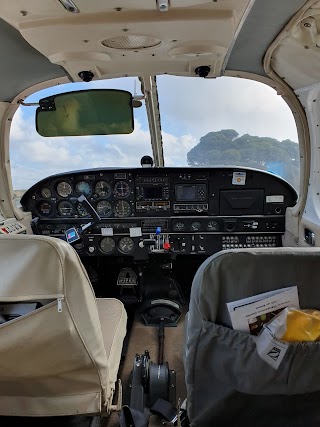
(189, 108)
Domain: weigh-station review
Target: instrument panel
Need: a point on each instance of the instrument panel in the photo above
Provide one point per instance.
(111, 195)
(156, 210)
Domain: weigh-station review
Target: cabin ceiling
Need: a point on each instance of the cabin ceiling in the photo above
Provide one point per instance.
(296, 58)
(41, 41)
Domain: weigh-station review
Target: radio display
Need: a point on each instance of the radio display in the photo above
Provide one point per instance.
(186, 193)
(152, 193)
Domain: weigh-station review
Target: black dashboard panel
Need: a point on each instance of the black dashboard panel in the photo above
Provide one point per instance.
(156, 210)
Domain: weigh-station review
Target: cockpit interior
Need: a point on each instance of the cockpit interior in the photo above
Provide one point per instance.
(159, 213)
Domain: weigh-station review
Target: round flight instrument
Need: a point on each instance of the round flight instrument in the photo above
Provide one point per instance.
(122, 208)
(102, 189)
(83, 188)
(45, 208)
(213, 226)
(107, 245)
(195, 226)
(46, 193)
(179, 226)
(65, 208)
(126, 245)
(64, 189)
(104, 208)
(81, 210)
(121, 189)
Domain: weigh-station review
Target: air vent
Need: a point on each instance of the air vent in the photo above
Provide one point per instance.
(131, 41)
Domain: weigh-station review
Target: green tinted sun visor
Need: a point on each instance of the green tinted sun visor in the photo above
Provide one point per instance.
(86, 112)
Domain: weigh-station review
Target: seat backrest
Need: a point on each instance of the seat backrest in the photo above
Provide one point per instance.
(226, 379)
(52, 360)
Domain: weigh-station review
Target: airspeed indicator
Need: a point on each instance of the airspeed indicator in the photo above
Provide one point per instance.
(64, 189)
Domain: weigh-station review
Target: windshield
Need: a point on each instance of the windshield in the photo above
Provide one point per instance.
(204, 122)
(34, 157)
(228, 121)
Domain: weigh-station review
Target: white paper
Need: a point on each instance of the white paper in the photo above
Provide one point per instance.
(275, 199)
(135, 232)
(107, 231)
(269, 349)
(239, 178)
(248, 313)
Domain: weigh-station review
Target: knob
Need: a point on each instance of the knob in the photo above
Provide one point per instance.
(91, 249)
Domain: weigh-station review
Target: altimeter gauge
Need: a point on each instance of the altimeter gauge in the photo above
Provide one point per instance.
(102, 189)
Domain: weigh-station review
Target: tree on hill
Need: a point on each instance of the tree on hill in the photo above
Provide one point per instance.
(226, 147)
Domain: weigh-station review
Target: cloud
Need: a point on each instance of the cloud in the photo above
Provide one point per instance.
(198, 106)
(34, 157)
(175, 148)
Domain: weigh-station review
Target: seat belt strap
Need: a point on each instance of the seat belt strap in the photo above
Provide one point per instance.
(132, 418)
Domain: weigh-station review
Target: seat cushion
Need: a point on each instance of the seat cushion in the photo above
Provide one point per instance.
(113, 319)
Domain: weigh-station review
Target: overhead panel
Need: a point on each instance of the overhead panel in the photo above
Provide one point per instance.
(296, 59)
(22, 66)
(132, 38)
(265, 21)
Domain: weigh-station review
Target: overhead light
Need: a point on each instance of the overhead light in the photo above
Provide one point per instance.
(131, 41)
(69, 5)
(163, 5)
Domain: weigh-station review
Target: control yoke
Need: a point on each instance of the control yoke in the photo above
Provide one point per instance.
(73, 234)
(89, 208)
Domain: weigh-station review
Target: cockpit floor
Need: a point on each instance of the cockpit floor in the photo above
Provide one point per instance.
(146, 338)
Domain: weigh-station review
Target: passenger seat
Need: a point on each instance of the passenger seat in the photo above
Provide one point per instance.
(227, 381)
(61, 358)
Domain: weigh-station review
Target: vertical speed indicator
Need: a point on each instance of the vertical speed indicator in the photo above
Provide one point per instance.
(122, 208)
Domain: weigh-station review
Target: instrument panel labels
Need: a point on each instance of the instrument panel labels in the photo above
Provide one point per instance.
(135, 232)
(107, 231)
(275, 199)
(239, 178)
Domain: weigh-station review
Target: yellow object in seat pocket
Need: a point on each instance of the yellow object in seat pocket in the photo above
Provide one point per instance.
(302, 325)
